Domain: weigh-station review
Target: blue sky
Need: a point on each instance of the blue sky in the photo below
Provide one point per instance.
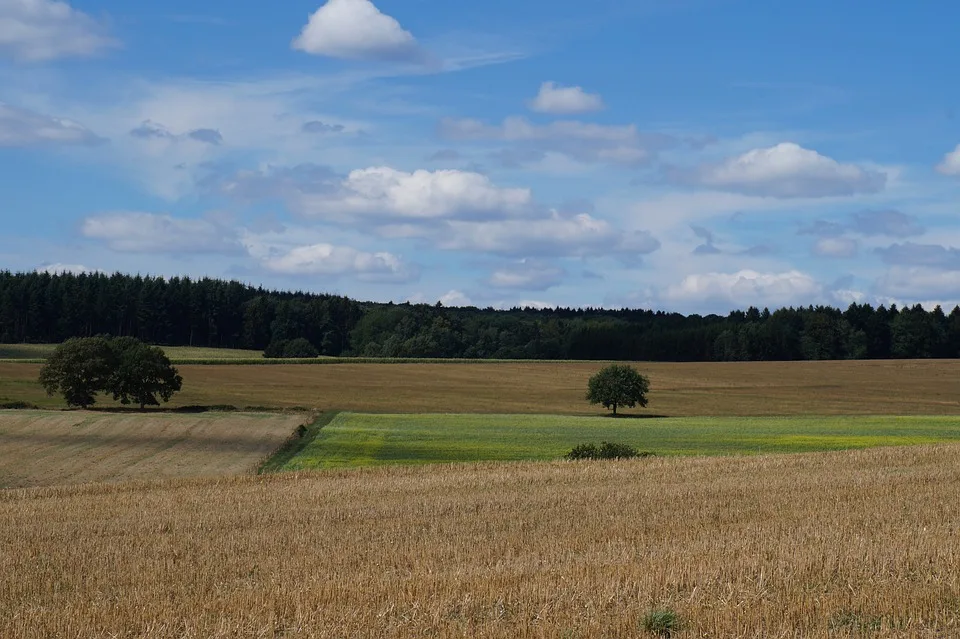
(685, 155)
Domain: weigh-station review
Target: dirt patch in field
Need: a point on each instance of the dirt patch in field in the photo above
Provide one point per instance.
(41, 448)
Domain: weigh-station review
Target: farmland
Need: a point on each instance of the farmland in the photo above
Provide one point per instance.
(352, 439)
(35, 352)
(858, 543)
(888, 387)
(39, 448)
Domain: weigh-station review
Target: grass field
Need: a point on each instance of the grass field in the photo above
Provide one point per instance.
(893, 387)
(176, 353)
(39, 448)
(852, 544)
(352, 439)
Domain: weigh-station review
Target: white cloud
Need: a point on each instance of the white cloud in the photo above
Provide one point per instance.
(745, 288)
(41, 30)
(836, 247)
(152, 233)
(919, 283)
(356, 29)
(455, 298)
(559, 235)
(19, 127)
(587, 142)
(327, 259)
(951, 163)
(54, 269)
(527, 275)
(786, 170)
(565, 100)
(386, 192)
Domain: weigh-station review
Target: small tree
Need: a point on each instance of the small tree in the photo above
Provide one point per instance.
(78, 369)
(141, 373)
(618, 385)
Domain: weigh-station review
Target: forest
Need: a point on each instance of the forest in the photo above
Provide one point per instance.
(45, 308)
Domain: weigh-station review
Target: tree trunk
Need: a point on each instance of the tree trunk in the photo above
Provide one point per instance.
(614, 410)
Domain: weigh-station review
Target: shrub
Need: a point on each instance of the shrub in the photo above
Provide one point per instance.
(606, 450)
(661, 622)
(300, 347)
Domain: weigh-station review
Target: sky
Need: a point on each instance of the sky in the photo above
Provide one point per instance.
(696, 156)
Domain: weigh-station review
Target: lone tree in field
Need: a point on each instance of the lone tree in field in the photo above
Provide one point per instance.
(141, 373)
(125, 367)
(618, 385)
(78, 369)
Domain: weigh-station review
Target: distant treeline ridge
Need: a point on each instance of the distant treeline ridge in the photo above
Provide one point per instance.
(44, 308)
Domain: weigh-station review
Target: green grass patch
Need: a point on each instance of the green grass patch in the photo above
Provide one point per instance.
(354, 439)
(296, 444)
(37, 353)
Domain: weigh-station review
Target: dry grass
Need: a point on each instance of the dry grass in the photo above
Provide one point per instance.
(40, 448)
(894, 387)
(853, 544)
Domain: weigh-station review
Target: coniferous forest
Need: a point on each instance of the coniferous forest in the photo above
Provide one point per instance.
(43, 308)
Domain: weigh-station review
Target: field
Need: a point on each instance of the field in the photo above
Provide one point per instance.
(893, 387)
(176, 353)
(352, 439)
(852, 544)
(40, 448)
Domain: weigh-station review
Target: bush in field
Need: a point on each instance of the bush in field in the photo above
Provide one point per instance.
(299, 348)
(606, 450)
(618, 385)
(125, 367)
(661, 622)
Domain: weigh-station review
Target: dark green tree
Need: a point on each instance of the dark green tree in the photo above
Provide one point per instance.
(618, 385)
(78, 369)
(300, 348)
(141, 373)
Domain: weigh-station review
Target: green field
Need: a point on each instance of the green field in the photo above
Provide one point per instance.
(38, 352)
(355, 439)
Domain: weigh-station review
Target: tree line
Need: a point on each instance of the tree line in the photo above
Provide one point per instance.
(44, 308)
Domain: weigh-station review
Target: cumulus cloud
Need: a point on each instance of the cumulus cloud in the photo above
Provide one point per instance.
(56, 269)
(951, 163)
(919, 283)
(836, 247)
(786, 170)
(890, 223)
(745, 288)
(330, 260)
(356, 29)
(42, 30)
(529, 275)
(150, 130)
(138, 232)
(556, 99)
(317, 126)
(381, 192)
(19, 127)
(558, 235)
(581, 141)
(927, 255)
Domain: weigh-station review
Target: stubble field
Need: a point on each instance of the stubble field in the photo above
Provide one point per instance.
(890, 387)
(853, 544)
(43, 448)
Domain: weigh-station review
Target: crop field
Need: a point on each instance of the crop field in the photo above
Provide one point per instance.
(843, 544)
(891, 387)
(40, 448)
(352, 439)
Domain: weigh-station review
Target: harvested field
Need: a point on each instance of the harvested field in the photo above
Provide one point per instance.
(889, 387)
(851, 544)
(40, 448)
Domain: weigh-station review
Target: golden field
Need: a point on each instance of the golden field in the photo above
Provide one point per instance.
(889, 387)
(43, 448)
(852, 544)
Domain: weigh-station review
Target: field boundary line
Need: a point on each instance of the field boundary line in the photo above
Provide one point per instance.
(294, 445)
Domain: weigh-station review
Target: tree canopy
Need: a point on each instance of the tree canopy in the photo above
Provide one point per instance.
(125, 367)
(618, 385)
